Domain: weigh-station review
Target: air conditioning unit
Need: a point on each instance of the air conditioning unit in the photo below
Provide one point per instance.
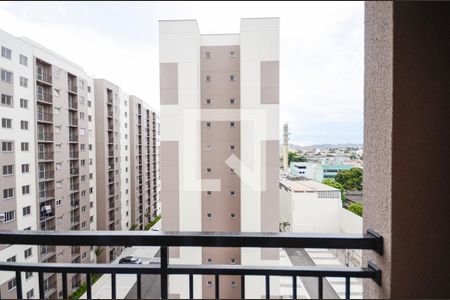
(2, 217)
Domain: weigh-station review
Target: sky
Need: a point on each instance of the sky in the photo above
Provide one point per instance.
(321, 51)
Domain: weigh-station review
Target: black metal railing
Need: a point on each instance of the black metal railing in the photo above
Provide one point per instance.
(368, 241)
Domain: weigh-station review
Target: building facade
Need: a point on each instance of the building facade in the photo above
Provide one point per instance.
(220, 143)
(144, 167)
(50, 105)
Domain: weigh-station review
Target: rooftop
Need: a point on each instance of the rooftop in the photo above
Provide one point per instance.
(302, 186)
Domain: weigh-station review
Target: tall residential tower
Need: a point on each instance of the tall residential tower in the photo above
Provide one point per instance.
(220, 143)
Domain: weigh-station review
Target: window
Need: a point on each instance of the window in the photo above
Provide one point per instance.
(30, 294)
(83, 225)
(23, 81)
(10, 216)
(82, 131)
(28, 275)
(208, 147)
(232, 216)
(231, 100)
(58, 147)
(232, 124)
(7, 100)
(89, 103)
(208, 124)
(208, 170)
(7, 76)
(23, 60)
(59, 220)
(90, 147)
(208, 193)
(24, 146)
(208, 78)
(207, 54)
(232, 193)
(83, 162)
(57, 110)
(89, 89)
(83, 209)
(209, 215)
(7, 146)
(231, 147)
(59, 184)
(92, 219)
(12, 259)
(28, 228)
(89, 118)
(27, 253)
(233, 284)
(232, 54)
(231, 170)
(6, 53)
(81, 84)
(90, 176)
(58, 202)
(58, 166)
(233, 261)
(24, 125)
(209, 260)
(12, 284)
(208, 101)
(83, 255)
(83, 193)
(26, 168)
(8, 193)
(23, 103)
(57, 92)
(83, 178)
(81, 115)
(209, 283)
(232, 78)
(6, 123)
(8, 170)
(26, 210)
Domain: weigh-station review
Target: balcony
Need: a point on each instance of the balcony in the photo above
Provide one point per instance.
(72, 103)
(73, 138)
(74, 187)
(110, 113)
(47, 251)
(44, 117)
(46, 175)
(74, 220)
(73, 154)
(45, 137)
(369, 241)
(47, 155)
(110, 140)
(74, 171)
(44, 98)
(74, 204)
(71, 88)
(110, 100)
(73, 122)
(44, 77)
(46, 194)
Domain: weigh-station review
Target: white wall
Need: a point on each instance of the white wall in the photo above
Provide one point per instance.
(179, 42)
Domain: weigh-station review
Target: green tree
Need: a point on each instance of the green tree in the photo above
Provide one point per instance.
(356, 208)
(292, 156)
(350, 180)
(335, 184)
(284, 226)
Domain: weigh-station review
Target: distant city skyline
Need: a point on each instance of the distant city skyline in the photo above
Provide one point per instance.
(321, 59)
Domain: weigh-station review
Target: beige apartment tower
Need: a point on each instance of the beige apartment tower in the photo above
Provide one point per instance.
(220, 144)
(144, 167)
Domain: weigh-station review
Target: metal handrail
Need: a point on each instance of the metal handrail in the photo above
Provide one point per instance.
(368, 241)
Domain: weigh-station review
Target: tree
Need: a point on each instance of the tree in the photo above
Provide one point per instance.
(98, 251)
(335, 184)
(284, 226)
(356, 208)
(133, 227)
(350, 180)
(292, 156)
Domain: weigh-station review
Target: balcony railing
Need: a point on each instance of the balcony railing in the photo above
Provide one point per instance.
(71, 87)
(44, 97)
(74, 187)
(73, 121)
(47, 155)
(44, 77)
(46, 194)
(74, 171)
(73, 138)
(44, 117)
(46, 175)
(73, 104)
(45, 136)
(73, 154)
(369, 241)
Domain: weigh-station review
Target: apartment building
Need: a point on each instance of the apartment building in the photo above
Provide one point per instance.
(47, 117)
(144, 166)
(18, 186)
(219, 144)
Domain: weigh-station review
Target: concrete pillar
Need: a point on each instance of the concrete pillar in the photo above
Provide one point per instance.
(407, 146)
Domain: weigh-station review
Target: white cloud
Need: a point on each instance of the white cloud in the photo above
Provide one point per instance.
(321, 51)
